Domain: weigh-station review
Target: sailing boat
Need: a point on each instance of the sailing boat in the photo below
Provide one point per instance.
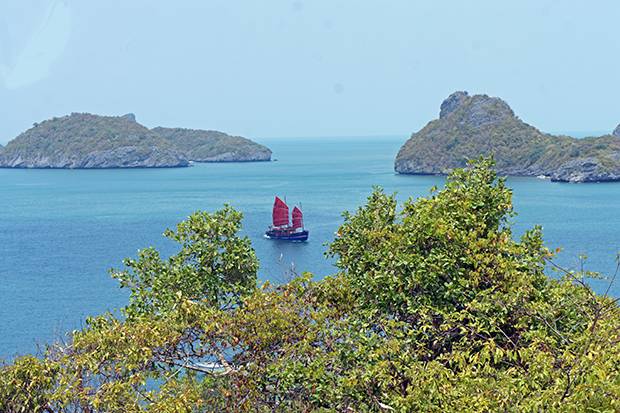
(282, 228)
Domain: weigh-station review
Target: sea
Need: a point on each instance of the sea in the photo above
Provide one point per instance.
(62, 230)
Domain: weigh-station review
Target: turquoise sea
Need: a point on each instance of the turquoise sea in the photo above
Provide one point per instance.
(61, 230)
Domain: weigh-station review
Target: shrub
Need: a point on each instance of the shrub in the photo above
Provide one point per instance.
(435, 307)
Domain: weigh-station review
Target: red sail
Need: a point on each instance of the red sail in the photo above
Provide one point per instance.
(298, 218)
(280, 213)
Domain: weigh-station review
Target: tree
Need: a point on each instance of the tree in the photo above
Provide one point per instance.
(435, 307)
(214, 267)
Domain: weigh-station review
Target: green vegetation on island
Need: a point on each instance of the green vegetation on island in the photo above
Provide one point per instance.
(83, 140)
(213, 146)
(435, 307)
(479, 125)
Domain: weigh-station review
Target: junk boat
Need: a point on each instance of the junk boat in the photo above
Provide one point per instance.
(282, 228)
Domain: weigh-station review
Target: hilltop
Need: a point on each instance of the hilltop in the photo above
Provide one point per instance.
(84, 140)
(471, 126)
(213, 146)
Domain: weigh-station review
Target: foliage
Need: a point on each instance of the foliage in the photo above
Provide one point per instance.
(213, 267)
(435, 307)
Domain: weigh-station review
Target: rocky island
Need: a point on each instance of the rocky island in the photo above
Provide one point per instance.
(84, 140)
(479, 125)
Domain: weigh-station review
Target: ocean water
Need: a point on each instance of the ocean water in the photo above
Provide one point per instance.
(61, 230)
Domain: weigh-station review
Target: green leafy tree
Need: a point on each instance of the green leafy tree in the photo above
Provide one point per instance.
(435, 307)
(214, 266)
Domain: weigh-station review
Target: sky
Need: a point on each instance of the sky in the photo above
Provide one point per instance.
(295, 68)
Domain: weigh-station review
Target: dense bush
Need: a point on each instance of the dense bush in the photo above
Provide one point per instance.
(435, 307)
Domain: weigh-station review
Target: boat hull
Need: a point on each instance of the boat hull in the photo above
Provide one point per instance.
(287, 235)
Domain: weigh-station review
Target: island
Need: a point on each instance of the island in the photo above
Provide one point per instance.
(472, 126)
(88, 141)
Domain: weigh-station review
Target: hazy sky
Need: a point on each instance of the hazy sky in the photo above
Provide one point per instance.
(307, 68)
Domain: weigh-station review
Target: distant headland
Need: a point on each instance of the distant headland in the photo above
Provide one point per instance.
(88, 141)
(472, 126)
